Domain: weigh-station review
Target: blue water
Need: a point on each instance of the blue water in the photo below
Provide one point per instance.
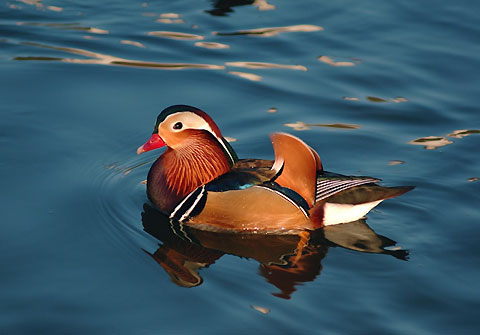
(81, 83)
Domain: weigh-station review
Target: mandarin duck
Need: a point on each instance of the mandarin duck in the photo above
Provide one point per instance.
(200, 181)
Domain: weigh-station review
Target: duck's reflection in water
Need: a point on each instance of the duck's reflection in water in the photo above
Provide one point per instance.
(185, 250)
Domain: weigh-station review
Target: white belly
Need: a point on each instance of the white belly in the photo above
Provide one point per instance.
(343, 213)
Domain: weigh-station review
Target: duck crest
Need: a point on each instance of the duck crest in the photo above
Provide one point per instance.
(180, 171)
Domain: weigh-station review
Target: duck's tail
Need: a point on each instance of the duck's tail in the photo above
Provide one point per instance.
(352, 204)
(368, 193)
(332, 198)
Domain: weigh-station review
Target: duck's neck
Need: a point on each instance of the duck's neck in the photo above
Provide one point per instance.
(180, 171)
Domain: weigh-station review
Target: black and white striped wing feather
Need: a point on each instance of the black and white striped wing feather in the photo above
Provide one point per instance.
(328, 186)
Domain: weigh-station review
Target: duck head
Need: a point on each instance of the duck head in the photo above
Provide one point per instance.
(196, 154)
(178, 126)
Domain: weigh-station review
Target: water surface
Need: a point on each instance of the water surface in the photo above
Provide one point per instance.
(387, 89)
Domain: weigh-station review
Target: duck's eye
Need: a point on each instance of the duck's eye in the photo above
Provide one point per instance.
(178, 126)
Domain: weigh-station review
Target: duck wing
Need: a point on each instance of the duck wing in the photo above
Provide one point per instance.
(244, 174)
(328, 184)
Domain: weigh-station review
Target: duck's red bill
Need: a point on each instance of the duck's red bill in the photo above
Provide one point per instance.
(154, 142)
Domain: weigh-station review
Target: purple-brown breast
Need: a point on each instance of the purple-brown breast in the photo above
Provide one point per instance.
(177, 172)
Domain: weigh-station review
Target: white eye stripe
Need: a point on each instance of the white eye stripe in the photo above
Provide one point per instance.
(190, 121)
(193, 121)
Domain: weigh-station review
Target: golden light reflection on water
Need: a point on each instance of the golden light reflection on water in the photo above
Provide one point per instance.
(433, 142)
(98, 58)
(176, 35)
(169, 18)
(329, 61)
(262, 65)
(37, 3)
(245, 75)
(463, 132)
(377, 99)
(65, 26)
(261, 309)
(137, 44)
(31, 2)
(55, 8)
(102, 59)
(300, 125)
(169, 21)
(398, 99)
(263, 5)
(170, 15)
(396, 162)
(272, 31)
(340, 125)
(212, 45)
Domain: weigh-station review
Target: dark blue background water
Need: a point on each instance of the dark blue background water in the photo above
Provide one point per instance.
(76, 102)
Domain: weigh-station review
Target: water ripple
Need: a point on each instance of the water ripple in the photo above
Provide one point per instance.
(170, 18)
(176, 35)
(120, 191)
(300, 125)
(434, 142)
(330, 61)
(263, 65)
(102, 59)
(65, 26)
(212, 45)
(273, 31)
(245, 75)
